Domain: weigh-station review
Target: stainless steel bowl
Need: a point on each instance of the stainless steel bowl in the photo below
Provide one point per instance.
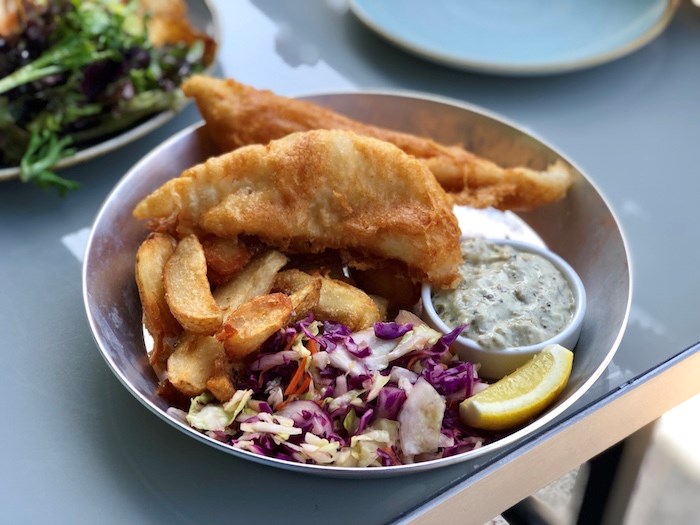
(582, 229)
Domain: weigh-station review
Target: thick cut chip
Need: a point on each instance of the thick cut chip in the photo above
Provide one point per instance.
(151, 258)
(306, 298)
(220, 383)
(238, 115)
(316, 191)
(249, 325)
(338, 301)
(187, 289)
(254, 280)
(225, 257)
(345, 304)
(193, 362)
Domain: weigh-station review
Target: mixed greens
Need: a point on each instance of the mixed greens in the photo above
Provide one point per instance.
(76, 71)
(317, 393)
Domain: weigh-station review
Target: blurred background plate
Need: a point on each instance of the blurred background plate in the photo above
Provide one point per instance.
(519, 37)
(581, 228)
(203, 17)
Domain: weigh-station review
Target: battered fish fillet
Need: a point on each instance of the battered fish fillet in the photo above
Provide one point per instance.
(319, 190)
(238, 115)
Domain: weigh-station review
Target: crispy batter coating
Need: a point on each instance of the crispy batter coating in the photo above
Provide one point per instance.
(238, 115)
(314, 191)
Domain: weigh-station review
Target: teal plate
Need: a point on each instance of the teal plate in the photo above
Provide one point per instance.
(517, 37)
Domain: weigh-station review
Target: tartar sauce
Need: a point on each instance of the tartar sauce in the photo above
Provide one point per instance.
(507, 297)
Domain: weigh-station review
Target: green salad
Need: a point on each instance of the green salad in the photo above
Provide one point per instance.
(76, 71)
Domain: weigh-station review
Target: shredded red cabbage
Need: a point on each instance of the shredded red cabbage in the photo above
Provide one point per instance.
(341, 383)
(455, 382)
(389, 402)
(309, 417)
(391, 330)
(335, 334)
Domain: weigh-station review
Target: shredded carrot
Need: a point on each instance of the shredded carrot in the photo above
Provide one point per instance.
(294, 383)
(300, 390)
(412, 362)
(304, 385)
(390, 452)
(313, 346)
(289, 344)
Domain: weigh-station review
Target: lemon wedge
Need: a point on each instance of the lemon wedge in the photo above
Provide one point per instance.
(518, 397)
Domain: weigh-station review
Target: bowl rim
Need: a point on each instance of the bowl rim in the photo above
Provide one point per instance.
(577, 288)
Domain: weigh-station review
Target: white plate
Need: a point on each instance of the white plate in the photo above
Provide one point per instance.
(580, 225)
(203, 17)
(520, 37)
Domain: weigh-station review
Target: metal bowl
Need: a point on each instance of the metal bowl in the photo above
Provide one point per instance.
(582, 229)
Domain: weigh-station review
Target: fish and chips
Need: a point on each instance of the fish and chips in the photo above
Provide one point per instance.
(308, 228)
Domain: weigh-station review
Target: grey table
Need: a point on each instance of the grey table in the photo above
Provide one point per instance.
(78, 448)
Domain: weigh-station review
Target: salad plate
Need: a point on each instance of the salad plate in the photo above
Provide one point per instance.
(582, 229)
(203, 17)
(517, 37)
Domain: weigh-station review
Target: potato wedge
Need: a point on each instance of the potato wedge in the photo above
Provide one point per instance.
(193, 362)
(151, 258)
(346, 304)
(253, 280)
(225, 257)
(249, 325)
(220, 383)
(306, 299)
(187, 289)
(338, 301)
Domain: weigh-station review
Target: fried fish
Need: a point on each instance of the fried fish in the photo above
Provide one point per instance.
(237, 115)
(315, 191)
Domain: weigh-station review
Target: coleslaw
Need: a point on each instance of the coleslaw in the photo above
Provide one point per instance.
(317, 393)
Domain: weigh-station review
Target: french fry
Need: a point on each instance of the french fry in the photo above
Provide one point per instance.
(345, 304)
(151, 258)
(249, 325)
(305, 299)
(225, 257)
(193, 362)
(338, 301)
(220, 383)
(253, 280)
(291, 281)
(187, 289)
